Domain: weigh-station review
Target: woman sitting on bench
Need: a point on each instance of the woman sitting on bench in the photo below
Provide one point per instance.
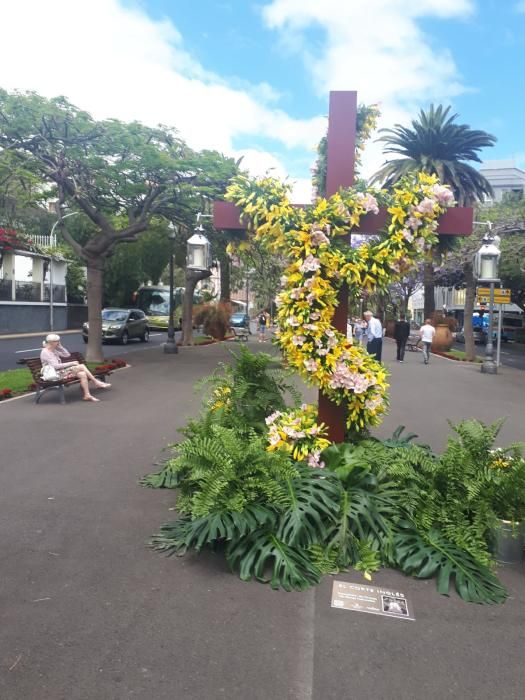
(51, 355)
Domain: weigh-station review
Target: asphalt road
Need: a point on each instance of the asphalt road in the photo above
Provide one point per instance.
(512, 354)
(13, 350)
(89, 613)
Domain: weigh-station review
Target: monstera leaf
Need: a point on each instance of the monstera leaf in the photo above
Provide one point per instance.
(166, 478)
(309, 502)
(434, 555)
(179, 536)
(264, 557)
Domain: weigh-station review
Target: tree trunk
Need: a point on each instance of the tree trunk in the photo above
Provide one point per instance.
(428, 283)
(192, 277)
(225, 280)
(470, 296)
(95, 286)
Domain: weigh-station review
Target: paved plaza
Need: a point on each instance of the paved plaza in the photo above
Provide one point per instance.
(88, 612)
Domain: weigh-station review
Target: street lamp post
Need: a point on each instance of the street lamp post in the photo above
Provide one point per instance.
(486, 263)
(170, 346)
(51, 296)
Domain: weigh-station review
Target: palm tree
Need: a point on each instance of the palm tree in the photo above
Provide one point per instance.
(436, 144)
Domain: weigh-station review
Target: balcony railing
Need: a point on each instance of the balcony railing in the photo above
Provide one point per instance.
(6, 290)
(28, 291)
(45, 241)
(59, 293)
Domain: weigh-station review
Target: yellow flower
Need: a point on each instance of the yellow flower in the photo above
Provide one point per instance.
(398, 214)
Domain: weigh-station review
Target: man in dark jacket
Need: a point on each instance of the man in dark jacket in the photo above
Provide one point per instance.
(401, 333)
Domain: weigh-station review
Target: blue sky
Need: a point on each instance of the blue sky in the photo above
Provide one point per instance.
(253, 78)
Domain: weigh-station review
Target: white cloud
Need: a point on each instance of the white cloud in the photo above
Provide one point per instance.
(115, 61)
(375, 47)
(520, 6)
(261, 163)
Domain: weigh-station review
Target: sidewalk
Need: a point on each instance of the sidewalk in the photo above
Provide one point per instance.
(40, 334)
(89, 613)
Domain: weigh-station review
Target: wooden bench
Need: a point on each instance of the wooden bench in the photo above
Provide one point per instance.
(241, 334)
(35, 367)
(413, 342)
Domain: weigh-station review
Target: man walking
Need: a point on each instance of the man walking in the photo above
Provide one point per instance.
(427, 333)
(401, 333)
(374, 334)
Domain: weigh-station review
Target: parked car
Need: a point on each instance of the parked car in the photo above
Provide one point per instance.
(240, 320)
(480, 336)
(121, 325)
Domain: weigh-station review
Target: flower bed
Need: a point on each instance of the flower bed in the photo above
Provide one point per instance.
(287, 509)
(206, 340)
(458, 355)
(109, 366)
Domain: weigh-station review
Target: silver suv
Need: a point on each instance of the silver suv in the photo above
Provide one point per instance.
(121, 325)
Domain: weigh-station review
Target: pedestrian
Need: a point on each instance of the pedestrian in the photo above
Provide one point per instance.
(52, 366)
(374, 334)
(401, 333)
(262, 322)
(427, 333)
(357, 331)
(349, 332)
(360, 330)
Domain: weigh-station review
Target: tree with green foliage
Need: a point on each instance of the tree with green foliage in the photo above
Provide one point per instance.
(117, 176)
(264, 270)
(508, 222)
(438, 145)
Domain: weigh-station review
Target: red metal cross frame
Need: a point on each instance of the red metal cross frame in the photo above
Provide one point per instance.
(342, 120)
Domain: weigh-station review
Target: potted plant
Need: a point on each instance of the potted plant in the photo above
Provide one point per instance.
(443, 339)
(508, 468)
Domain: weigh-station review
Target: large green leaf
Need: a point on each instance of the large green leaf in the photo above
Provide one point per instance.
(310, 502)
(166, 478)
(180, 535)
(432, 555)
(260, 553)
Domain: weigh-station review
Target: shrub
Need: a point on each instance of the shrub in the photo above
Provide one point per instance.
(5, 394)
(438, 319)
(215, 318)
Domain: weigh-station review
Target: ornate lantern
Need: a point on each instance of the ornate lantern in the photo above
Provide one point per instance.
(199, 253)
(486, 261)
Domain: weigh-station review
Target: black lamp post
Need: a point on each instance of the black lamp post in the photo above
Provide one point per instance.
(486, 263)
(170, 346)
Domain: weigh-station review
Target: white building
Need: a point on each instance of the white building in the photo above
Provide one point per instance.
(26, 303)
(504, 177)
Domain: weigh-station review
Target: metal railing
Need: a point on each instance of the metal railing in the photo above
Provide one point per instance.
(6, 290)
(59, 293)
(44, 240)
(28, 291)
